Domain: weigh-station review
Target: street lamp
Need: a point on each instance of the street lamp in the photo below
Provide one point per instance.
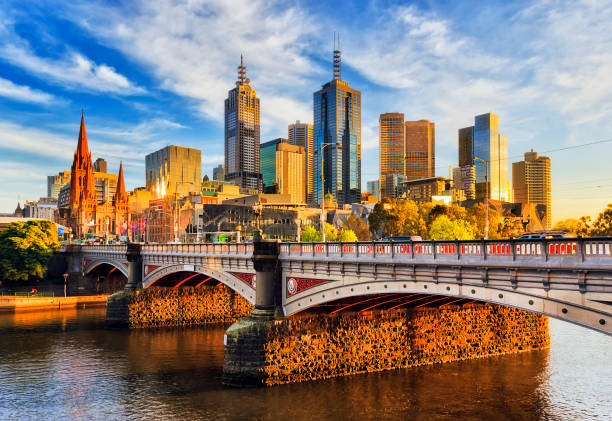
(323, 146)
(65, 275)
(486, 233)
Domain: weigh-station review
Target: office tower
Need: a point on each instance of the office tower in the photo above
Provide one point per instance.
(174, 169)
(491, 146)
(100, 165)
(464, 183)
(420, 149)
(392, 151)
(531, 182)
(242, 134)
(300, 134)
(56, 182)
(283, 165)
(373, 187)
(337, 132)
(219, 173)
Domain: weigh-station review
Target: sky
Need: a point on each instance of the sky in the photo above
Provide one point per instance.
(148, 74)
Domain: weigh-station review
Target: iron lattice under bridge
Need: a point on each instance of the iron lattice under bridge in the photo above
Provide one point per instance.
(570, 279)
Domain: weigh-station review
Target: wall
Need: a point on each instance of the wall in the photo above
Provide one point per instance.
(312, 347)
(157, 306)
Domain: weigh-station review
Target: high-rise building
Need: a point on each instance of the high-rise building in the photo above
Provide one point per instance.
(531, 182)
(56, 182)
(283, 165)
(100, 165)
(491, 146)
(300, 134)
(392, 151)
(337, 132)
(373, 187)
(219, 173)
(174, 169)
(420, 149)
(464, 183)
(242, 134)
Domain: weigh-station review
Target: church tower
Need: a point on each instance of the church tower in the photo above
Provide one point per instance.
(83, 198)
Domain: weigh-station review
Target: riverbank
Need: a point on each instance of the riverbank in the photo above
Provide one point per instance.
(9, 303)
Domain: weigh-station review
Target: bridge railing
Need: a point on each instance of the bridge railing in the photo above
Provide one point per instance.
(199, 249)
(598, 250)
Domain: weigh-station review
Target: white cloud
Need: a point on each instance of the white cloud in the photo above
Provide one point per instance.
(24, 93)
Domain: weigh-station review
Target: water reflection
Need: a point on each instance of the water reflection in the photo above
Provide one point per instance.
(67, 365)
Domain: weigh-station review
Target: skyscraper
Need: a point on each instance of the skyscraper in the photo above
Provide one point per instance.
(242, 134)
(531, 182)
(300, 134)
(392, 146)
(283, 165)
(420, 149)
(484, 141)
(337, 131)
(219, 173)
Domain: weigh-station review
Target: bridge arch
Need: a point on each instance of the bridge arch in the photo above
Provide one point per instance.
(90, 266)
(233, 282)
(589, 317)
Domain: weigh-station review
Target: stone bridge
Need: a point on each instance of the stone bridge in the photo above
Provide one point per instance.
(569, 279)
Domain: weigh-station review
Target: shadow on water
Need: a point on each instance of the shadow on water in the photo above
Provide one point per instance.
(68, 365)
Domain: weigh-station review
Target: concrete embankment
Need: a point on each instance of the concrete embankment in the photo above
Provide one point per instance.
(10, 303)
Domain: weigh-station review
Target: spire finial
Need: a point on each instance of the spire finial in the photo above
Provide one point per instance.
(336, 57)
(242, 80)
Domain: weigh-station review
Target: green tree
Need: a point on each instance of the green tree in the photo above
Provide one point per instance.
(360, 228)
(476, 216)
(380, 219)
(25, 249)
(578, 227)
(347, 236)
(408, 219)
(310, 234)
(603, 224)
(444, 228)
(331, 233)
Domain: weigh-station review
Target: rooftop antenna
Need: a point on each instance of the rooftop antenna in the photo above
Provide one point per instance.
(242, 72)
(336, 58)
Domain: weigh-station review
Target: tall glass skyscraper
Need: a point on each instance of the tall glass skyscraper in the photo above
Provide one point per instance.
(337, 121)
(242, 134)
(488, 144)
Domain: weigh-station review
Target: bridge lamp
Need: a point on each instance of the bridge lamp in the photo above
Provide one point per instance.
(65, 275)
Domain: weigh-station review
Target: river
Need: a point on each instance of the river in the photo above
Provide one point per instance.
(67, 365)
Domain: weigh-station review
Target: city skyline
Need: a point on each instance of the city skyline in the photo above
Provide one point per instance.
(137, 103)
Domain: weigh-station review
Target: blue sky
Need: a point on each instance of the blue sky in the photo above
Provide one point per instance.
(152, 73)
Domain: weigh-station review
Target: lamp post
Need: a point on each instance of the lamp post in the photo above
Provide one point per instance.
(323, 146)
(486, 233)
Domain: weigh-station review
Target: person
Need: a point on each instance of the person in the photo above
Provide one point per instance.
(34, 291)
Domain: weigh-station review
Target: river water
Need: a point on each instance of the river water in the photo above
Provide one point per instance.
(67, 365)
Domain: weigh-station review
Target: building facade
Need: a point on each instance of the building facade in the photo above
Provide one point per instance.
(242, 109)
(100, 165)
(283, 165)
(422, 190)
(219, 173)
(337, 140)
(464, 183)
(301, 134)
(45, 208)
(531, 182)
(491, 146)
(174, 170)
(83, 211)
(420, 150)
(392, 151)
(56, 182)
(373, 187)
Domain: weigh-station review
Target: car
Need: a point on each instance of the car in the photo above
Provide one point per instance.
(540, 236)
(399, 238)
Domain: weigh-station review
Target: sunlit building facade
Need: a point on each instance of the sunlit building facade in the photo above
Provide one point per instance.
(300, 134)
(242, 109)
(531, 182)
(174, 170)
(283, 166)
(337, 122)
(420, 149)
(392, 151)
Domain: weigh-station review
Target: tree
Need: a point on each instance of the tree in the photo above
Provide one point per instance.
(331, 233)
(511, 227)
(476, 216)
(578, 227)
(380, 218)
(444, 228)
(408, 219)
(310, 235)
(360, 228)
(347, 236)
(602, 227)
(25, 249)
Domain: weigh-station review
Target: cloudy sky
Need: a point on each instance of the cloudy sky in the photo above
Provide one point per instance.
(153, 73)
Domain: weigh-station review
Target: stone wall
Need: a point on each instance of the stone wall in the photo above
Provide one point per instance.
(157, 306)
(313, 347)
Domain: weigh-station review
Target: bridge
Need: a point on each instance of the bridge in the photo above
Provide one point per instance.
(569, 279)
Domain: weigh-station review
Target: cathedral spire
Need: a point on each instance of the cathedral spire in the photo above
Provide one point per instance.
(120, 195)
(82, 147)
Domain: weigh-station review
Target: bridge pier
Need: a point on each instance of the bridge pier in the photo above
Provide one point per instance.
(117, 305)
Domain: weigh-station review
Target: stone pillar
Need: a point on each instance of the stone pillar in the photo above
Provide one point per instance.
(117, 305)
(245, 356)
(268, 284)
